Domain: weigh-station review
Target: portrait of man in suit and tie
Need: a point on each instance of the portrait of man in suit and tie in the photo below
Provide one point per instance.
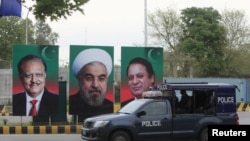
(141, 77)
(141, 70)
(35, 99)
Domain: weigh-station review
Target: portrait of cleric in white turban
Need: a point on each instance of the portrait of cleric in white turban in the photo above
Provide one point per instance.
(92, 68)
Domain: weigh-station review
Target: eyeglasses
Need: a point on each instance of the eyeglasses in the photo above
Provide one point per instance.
(30, 75)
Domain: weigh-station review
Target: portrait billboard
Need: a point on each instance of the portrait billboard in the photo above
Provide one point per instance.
(91, 80)
(35, 80)
(141, 68)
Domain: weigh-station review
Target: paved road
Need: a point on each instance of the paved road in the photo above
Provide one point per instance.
(35, 137)
(244, 119)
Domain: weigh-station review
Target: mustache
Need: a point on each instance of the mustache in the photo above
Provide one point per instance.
(35, 83)
(95, 90)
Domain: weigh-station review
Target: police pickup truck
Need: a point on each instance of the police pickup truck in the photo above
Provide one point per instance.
(159, 115)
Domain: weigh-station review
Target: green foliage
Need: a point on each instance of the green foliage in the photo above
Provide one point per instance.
(239, 66)
(44, 34)
(238, 35)
(13, 31)
(209, 44)
(56, 9)
(166, 27)
(204, 39)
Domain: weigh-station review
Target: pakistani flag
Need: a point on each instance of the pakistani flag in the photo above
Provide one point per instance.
(10, 8)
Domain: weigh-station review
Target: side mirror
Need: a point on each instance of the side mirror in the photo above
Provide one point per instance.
(141, 113)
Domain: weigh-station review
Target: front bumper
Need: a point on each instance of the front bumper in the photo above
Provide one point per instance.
(93, 134)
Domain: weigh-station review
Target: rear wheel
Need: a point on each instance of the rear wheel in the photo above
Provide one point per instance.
(203, 135)
(120, 136)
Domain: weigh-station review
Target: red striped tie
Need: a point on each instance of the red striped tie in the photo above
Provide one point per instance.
(33, 108)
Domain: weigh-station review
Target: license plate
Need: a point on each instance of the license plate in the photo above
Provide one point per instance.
(83, 132)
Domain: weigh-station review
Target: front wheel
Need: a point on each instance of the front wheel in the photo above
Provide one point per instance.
(120, 136)
(203, 135)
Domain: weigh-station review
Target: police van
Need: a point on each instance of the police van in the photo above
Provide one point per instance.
(159, 115)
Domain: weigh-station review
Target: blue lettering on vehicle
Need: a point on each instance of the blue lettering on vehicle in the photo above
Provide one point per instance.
(151, 123)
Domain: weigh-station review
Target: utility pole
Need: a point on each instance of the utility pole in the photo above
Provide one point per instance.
(145, 24)
(26, 27)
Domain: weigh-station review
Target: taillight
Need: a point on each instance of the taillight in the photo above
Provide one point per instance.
(237, 121)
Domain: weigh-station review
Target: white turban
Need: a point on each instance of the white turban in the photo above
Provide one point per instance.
(92, 55)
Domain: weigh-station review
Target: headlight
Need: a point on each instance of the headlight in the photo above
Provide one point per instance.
(100, 123)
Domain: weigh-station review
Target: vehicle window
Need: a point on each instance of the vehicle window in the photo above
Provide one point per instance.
(195, 101)
(156, 108)
(204, 101)
(132, 106)
(185, 101)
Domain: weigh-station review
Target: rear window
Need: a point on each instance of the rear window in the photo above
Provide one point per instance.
(195, 101)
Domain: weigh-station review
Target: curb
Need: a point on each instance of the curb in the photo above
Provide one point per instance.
(243, 107)
(5, 114)
(63, 129)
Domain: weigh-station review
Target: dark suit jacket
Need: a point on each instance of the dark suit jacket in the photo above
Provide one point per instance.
(78, 107)
(48, 105)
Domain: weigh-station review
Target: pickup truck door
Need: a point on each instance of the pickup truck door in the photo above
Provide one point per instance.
(156, 124)
(184, 125)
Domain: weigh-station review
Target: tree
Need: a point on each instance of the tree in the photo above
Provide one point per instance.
(208, 43)
(237, 50)
(204, 40)
(44, 34)
(13, 31)
(166, 28)
(10, 33)
(29, 26)
(239, 65)
(56, 9)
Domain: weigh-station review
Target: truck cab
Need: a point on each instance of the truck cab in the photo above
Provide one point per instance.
(159, 115)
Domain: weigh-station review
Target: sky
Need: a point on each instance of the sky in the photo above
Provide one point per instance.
(120, 22)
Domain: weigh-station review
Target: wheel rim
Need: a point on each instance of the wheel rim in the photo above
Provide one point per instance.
(120, 138)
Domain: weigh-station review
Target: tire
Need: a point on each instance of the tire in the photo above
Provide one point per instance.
(120, 136)
(203, 135)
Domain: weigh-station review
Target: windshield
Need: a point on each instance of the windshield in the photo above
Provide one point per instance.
(132, 106)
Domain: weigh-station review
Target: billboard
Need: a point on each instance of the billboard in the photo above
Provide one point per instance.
(35, 78)
(141, 68)
(91, 80)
